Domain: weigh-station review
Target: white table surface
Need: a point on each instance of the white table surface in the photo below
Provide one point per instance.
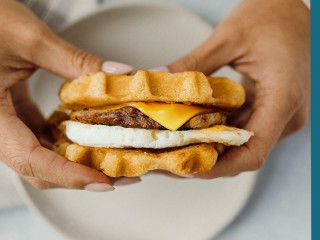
(279, 207)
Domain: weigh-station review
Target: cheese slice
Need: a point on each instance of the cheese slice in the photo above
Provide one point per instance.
(170, 115)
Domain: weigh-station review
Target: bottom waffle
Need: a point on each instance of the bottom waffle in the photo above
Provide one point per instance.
(136, 162)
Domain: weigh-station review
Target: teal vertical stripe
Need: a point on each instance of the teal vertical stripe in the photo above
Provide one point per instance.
(315, 120)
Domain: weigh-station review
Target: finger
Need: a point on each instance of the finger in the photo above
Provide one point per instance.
(25, 109)
(21, 151)
(124, 181)
(300, 118)
(240, 117)
(215, 52)
(66, 60)
(41, 47)
(159, 69)
(30, 114)
(40, 184)
(42, 163)
(270, 115)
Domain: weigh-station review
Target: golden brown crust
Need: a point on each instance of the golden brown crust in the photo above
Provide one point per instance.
(136, 162)
(100, 89)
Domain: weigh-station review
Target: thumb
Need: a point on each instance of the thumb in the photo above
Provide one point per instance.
(64, 59)
(218, 50)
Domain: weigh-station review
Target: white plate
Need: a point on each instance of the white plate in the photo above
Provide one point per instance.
(144, 35)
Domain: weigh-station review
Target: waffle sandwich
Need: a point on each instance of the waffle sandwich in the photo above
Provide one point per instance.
(128, 125)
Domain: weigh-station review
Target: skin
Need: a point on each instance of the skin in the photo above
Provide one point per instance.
(268, 42)
(25, 45)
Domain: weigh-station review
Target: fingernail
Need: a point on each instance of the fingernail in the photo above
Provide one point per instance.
(98, 187)
(192, 175)
(116, 68)
(122, 181)
(160, 69)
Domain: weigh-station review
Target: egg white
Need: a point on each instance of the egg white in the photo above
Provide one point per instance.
(120, 137)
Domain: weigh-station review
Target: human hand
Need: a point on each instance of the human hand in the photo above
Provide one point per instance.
(26, 44)
(269, 42)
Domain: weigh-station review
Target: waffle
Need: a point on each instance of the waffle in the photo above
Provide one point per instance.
(100, 89)
(136, 162)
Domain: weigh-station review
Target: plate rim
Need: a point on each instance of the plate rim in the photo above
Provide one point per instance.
(117, 5)
(19, 183)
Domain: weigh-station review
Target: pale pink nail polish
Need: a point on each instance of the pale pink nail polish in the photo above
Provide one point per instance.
(122, 181)
(160, 69)
(98, 187)
(116, 68)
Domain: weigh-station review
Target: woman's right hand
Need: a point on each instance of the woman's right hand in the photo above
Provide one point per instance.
(25, 45)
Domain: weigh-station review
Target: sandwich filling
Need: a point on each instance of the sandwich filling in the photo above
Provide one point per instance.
(129, 125)
(151, 125)
(131, 117)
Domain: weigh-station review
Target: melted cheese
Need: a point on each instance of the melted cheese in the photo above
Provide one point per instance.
(172, 116)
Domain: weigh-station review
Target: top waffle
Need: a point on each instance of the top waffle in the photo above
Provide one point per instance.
(100, 89)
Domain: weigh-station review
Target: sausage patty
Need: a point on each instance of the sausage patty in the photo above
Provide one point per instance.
(131, 117)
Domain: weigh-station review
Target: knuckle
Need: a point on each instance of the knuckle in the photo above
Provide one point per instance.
(20, 166)
(30, 160)
(260, 162)
(81, 59)
(36, 34)
(21, 160)
(258, 159)
(301, 121)
(17, 160)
